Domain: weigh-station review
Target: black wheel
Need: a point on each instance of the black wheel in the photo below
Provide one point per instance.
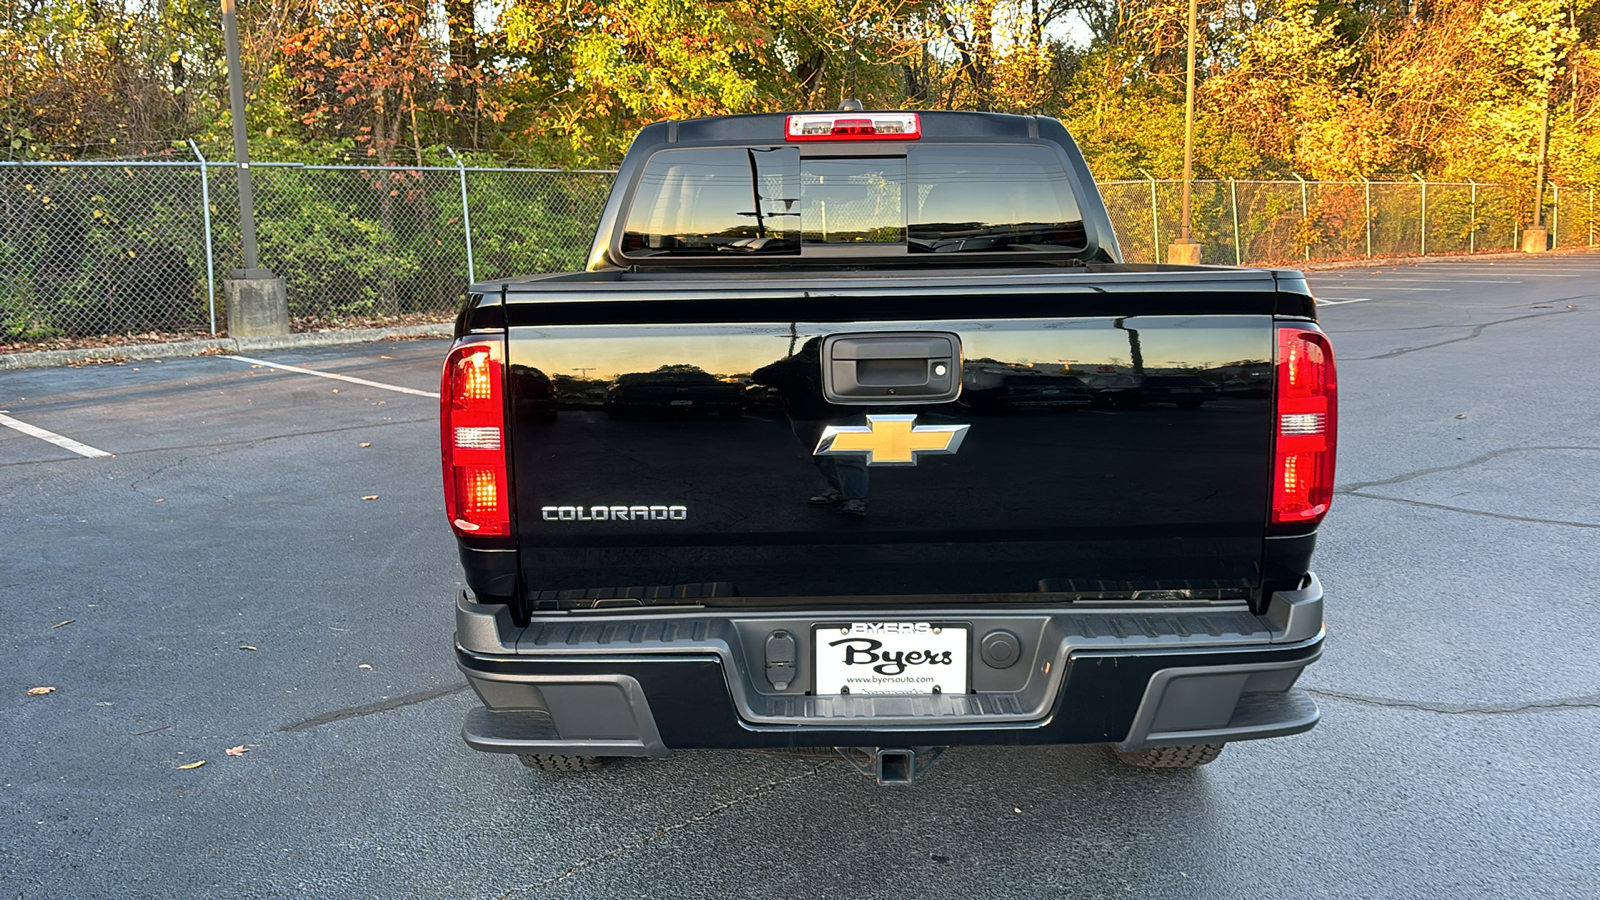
(550, 762)
(1185, 757)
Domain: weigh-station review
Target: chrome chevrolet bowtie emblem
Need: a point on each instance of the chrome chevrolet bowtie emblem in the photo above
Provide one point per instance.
(890, 440)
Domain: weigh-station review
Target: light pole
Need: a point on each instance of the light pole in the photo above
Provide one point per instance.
(1185, 250)
(256, 300)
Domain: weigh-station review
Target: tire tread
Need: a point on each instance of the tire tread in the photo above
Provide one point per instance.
(1187, 756)
(550, 762)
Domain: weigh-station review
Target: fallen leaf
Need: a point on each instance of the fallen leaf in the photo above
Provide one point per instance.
(362, 666)
(238, 751)
(161, 499)
(1461, 416)
(62, 624)
(1016, 809)
(193, 765)
(386, 357)
(366, 443)
(248, 647)
(40, 691)
(336, 390)
(370, 497)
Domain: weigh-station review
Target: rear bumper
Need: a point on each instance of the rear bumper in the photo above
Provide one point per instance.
(644, 685)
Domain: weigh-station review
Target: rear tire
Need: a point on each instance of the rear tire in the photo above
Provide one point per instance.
(1185, 757)
(550, 762)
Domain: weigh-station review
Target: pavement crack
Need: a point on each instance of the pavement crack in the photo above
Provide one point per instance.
(1474, 512)
(1585, 701)
(717, 810)
(137, 483)
(1476, 331)
(1479, 460)
(369, 709)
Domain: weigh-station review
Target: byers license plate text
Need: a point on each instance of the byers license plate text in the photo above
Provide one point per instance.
(891, 658)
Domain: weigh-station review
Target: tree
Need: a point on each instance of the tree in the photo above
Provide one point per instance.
(366, 70)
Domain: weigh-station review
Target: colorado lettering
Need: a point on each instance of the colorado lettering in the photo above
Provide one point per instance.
(614, 513)
(868, 652)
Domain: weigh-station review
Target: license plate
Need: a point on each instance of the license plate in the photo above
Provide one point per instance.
(890, 658)
(681, 403)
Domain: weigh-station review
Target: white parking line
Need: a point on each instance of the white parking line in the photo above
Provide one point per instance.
(1520, 273)
(64, 443)
(1379, 287)
(1337, 301)
(350, 378)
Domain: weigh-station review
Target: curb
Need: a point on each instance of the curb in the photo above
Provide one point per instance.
(1414, 260)
(46, 358)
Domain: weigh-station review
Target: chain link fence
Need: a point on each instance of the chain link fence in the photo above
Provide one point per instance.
(117, 248)
(91, 249)
(98, 249)
(1287, 222)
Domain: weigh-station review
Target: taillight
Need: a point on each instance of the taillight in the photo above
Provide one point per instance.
(472, 437)
(1307, 425)
(853, 126)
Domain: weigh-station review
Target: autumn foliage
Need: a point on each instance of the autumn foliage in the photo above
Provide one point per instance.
(1330, 89)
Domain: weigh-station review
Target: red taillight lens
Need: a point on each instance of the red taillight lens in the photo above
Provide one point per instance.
(472, 415)
(1306, 427)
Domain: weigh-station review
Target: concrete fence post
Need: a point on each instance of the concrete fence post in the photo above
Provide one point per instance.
(205, 216)
(466, 216)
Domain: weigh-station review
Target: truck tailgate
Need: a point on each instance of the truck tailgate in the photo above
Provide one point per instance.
(1046, 490)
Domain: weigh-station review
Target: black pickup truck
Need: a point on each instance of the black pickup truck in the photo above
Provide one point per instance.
(868, 558)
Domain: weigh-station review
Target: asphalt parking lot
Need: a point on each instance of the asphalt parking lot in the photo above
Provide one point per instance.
(226, 560)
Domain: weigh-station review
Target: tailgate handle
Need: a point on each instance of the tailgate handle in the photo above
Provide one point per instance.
(899, 367)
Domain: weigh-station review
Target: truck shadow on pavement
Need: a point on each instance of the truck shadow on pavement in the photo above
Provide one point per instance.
(984, 821)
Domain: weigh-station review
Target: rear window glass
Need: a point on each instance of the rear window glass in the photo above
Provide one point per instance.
(974, 198)
(935, 199)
